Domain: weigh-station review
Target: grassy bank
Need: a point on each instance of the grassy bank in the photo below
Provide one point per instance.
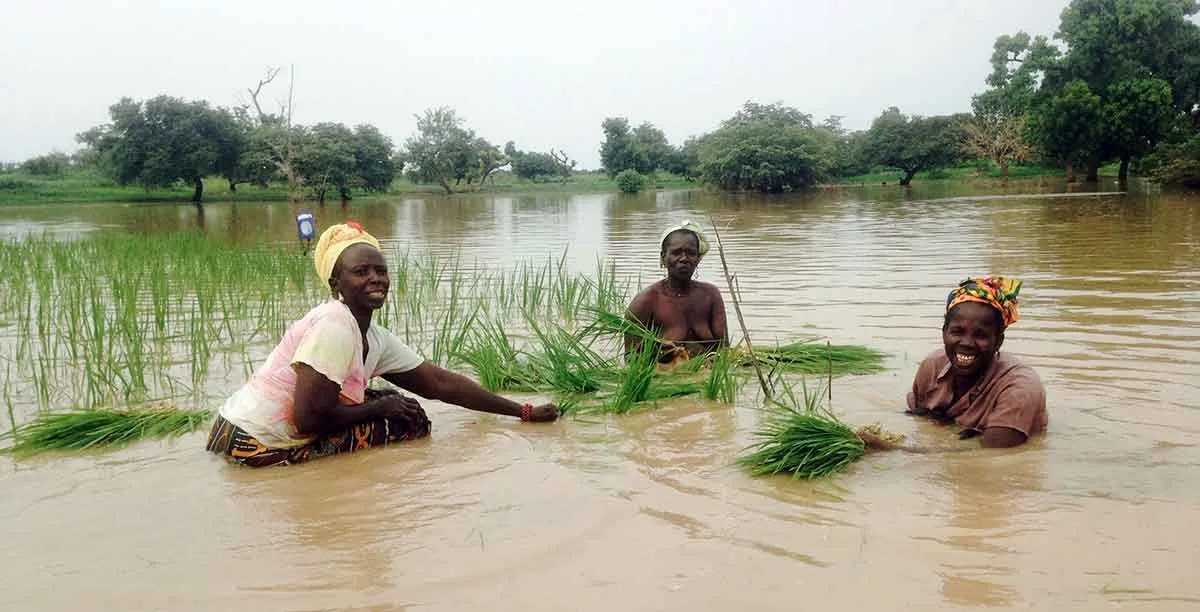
(969, 173)
(86, 186)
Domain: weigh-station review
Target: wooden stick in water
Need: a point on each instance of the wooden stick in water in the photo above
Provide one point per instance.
(829, 381)
(737, 307)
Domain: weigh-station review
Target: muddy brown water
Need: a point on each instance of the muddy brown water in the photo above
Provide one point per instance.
(648, 512)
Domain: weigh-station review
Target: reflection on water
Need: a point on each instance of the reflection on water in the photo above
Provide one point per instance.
(648, 511)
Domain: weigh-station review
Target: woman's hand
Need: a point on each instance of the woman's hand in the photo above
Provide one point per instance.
(404, 409)
(544, 412)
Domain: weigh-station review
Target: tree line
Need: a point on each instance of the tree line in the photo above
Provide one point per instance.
(1118, 82)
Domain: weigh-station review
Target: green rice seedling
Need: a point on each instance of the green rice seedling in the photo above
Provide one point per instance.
(721, 385)
(801, 437)
(811, 357)
(83, 429)
(496, 361)
(566, 363)
(638, 378)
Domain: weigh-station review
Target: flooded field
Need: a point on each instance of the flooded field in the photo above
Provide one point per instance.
(648, 511)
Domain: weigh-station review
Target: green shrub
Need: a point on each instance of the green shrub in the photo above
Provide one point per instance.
(630, 181)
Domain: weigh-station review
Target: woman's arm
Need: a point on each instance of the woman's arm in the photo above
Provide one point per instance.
(717, 321)
(316, 410)
(428, 380)
(640, 310)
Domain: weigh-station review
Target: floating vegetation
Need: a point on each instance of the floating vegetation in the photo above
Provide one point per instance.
(98, 428)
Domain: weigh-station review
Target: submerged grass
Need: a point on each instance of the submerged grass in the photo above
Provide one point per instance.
(84, 429)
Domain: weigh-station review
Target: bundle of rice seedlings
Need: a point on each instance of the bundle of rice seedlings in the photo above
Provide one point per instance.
(811, 357)
(801, 437)
(83, 429)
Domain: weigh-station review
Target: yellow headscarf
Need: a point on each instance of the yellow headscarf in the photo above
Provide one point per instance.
(335, 240)
(686, 226)
(998, 292)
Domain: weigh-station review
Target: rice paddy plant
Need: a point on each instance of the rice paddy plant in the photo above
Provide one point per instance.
(721, 385)
(566, 362)
(800, 436)
(496, 362)
(812, 357)
(638, 377)
(84, 429)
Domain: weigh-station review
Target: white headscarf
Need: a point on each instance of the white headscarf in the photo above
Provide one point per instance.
(686, 226)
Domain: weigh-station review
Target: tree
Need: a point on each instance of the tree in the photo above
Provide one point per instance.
(50, 164)
(441, 150)
(534, 166)
(998, 138)
(563, 164)
(616, 150)
(1137, 114)
(1139, 58)
(325, 159)
(1068, 126)
(684, 161)
(274, 138)
(488, 158)
(644, 148)
(163, 140)
(769, 152)
(912, 144)
(375, 162)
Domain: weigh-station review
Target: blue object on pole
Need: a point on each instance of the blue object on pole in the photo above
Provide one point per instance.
(306, 226)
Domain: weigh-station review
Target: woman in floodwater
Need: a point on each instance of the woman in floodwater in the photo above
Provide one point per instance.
(687, 316)
(310, 398)
(969, 381)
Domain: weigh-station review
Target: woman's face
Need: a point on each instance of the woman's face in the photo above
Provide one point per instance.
(681, 255)
(971, 337)
(361, 277)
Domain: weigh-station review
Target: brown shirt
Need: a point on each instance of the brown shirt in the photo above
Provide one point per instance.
(1009, 394)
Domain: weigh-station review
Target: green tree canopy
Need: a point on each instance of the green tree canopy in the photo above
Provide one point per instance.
(442, 150)
(913, 144)
(644, 148)
(163, 140)
(764, 148)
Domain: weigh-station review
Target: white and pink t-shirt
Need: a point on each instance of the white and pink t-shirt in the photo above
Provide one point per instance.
(328, 340)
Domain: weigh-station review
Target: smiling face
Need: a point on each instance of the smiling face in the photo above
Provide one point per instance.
(360, 276)
(681, 255)
(972, 334)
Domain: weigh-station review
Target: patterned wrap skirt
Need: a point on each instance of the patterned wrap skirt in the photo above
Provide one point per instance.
(235, 444)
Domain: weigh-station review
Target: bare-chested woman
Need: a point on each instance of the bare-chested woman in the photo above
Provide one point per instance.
(687, 316)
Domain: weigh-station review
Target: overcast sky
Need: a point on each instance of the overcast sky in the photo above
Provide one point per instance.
(543, 73)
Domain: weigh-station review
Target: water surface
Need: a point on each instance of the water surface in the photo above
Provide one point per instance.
(647, 512)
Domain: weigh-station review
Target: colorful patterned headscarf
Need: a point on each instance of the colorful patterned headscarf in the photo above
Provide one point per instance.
(995, 291)
(335, 240)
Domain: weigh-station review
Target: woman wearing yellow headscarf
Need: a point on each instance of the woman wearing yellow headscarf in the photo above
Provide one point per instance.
(310, 398)
(969, 381)
(687, 315)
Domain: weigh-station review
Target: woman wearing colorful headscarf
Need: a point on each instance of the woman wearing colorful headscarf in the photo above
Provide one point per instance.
(686, 315)
(310, 398)
(969, 381)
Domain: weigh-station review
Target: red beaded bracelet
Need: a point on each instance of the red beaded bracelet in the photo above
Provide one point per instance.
(526, 411)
